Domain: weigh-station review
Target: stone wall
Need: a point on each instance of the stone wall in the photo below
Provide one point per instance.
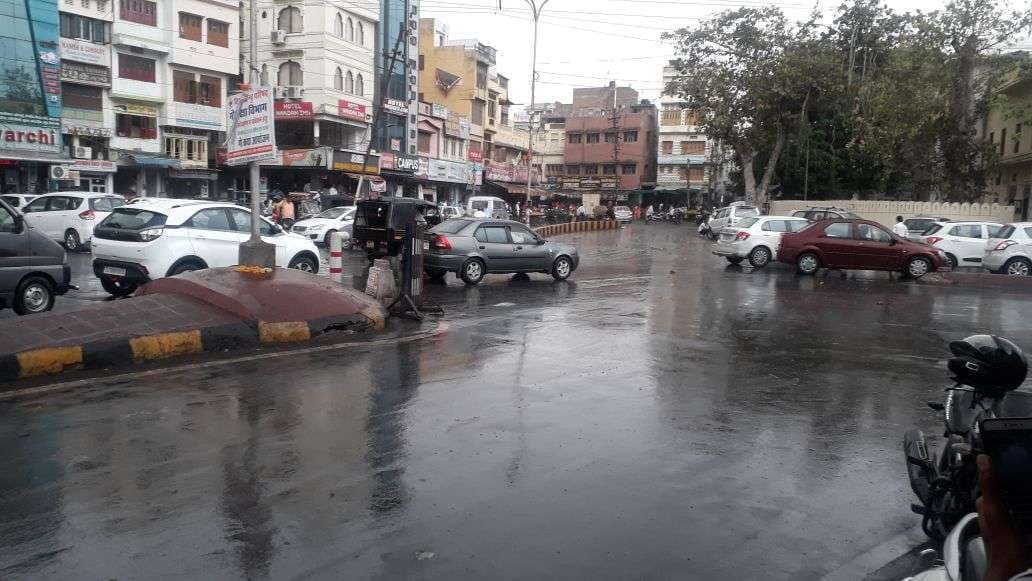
(885, 212)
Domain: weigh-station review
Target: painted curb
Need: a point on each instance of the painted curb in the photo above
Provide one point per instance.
(582, 226)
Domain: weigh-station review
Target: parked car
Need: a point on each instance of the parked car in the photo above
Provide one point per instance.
(17, 201)
(472, 248)
(160, 237)
(917, 225)
(1009, 251)
(756, 239)
(623, 214)
(816, 213)
(729, 216)
(318, 228)
(857, 244)
(33, 269)
(963, 242)
(69, 217)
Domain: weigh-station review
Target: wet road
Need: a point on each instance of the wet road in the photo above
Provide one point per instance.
(661, 415)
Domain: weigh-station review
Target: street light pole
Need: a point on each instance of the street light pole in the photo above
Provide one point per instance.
(536, 10)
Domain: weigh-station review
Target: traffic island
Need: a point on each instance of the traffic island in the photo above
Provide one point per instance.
(214, 310)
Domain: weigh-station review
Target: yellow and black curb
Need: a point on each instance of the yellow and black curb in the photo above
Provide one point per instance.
(571, 227)
(217, 339)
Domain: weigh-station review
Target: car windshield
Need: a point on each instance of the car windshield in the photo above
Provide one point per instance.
(479, 204)
(451, 226)
(746, 211)
(106, 204)
(622, 209)
(1006, 231)
(746, 222)
(128, 218)
(919, 224)
(334, 213)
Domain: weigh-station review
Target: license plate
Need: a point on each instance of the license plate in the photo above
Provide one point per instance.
(114, 271)
(426, 245)
(369, 244)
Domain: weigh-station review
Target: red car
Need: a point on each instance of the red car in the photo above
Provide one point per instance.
(856, 244)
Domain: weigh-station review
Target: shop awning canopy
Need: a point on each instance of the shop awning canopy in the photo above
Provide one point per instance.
(520, 189)
(146, 160)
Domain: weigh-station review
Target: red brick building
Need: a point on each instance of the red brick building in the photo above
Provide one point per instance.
(611, 154)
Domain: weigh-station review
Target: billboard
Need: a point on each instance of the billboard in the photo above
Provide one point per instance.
(251, 121)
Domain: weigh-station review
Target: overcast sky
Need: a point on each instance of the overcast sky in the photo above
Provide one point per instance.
(589, 42)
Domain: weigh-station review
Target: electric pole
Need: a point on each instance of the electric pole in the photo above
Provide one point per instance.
(378, 104)
(536, 11)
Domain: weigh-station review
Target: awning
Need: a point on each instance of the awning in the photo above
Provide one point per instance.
(520, 189)
(145, 160)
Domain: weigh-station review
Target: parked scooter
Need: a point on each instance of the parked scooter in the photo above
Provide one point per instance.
(987, 369)
(656, 217)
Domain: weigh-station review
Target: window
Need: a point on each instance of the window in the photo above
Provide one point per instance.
(630, 136)
(218, 33)
(190, 26)
(349, 30)
(796, 225)
(592, 138)
(609, 170)
(693, 147)
(187, 148)
(209, 91)
(289, 19)
(491, 109)
(75, 26)
(1017, 138)
(481, 75)
(1003, 140)
(873, 233)
(671, 115)
(610, 137)
(349, 83)
(139, 11)
(186, 89)
(423, 142)
(629, 169)
(359, 85)
(360, 34)
(838, 230)
(573, 138)
(591, 169)
(289, 74)
(573, 170)
(37, 205)
(993, 229)
(82, 97)
(7, 221)
(241, 222)
(477, 114)
(421, 64)
(554, 168)
(492, 234)
(521, 235)
(967, 230)
(338, 26)
(338, 80)
(768, 226)
(696, 174)
(135, 68)
(668, 147)
(136, 126)
(210, 219)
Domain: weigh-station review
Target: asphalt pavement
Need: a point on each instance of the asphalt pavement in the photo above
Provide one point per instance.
(660, 415)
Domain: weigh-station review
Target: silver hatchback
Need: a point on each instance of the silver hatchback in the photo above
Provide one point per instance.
(473, 248)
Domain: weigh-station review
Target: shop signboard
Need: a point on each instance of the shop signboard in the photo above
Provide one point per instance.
(670, 178)
(499, 172)
(197, 116)
(409, 163)
(84, 51)
(438, 110)
(29, 133)
(386, 160)
(294, 111)
(395, 106)
(353, 111)
(463, 127)
(85, 74)
(93, 165)
(318, 157)
(251, 121)
(593, 182)
(135, 109)
(85, 128)
(344, 160)
(475, 155)
(442, 170)
(695, 159)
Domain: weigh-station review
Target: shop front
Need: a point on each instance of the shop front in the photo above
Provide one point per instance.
(29, 146)
(446, 181)
(399, 171)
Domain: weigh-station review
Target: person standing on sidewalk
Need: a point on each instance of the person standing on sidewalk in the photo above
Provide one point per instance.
(900, 229)
(286, 213)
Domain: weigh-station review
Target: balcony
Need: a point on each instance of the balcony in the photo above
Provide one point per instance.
(485, 53)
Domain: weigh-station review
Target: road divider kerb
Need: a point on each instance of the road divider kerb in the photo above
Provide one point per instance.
(165, 345)
(286, 332)
(571, 227)
(48, 360)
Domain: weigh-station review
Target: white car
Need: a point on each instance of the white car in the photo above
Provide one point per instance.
(623, 214)
(157, 237)
(730, 216)
(449, 212)
(963, 242)
(69, 217)
(18, 200)
(1010, 250)
(318, 228)
(756, 239)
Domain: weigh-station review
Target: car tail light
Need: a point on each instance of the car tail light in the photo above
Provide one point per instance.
(1004, 245)
(932, 240)
(442, 243)
(87, 215)
(151, 234)
(742, 236)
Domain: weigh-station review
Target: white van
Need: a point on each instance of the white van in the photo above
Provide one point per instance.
(491, 206)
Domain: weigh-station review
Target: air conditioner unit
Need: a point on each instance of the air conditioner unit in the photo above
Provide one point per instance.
(83, 152)
(295, 92)
(279, 36)
(60, 172)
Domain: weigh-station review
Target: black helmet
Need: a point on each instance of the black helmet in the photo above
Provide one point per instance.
(988, 362)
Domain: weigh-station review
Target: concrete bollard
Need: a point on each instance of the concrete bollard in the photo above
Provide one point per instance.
(336, 258)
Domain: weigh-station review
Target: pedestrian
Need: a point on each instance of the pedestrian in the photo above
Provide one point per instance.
(900, 229)
(333, 191)
(649, 212)
(637, 212)
(286, 213)
(582, 212)
(610, 212)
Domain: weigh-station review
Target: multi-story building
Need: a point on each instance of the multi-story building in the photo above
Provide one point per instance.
(87, 118)
(689, 164)
(446, 172)
(30, 85)
(610, 153)
(1012, 140)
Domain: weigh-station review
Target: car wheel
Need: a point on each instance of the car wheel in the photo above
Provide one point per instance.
(562, 268)
(472, 272)
(1017, 267)
(304, 264)
(918, 267)
(808, 263)
(118, 288)
(326, 240)
(34, 295)
(734, 259)
(188, 266)
(346, 244)
(759, 257)
(952, 260)
(71, 241)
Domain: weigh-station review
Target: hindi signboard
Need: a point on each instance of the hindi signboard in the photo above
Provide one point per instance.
(252, 134)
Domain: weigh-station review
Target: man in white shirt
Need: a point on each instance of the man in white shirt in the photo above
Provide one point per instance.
(900, 229)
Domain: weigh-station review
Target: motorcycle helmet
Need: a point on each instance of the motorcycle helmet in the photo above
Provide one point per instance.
(988, 363)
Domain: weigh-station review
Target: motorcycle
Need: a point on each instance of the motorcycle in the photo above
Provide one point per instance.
(656, 217)
(963, 555)
(945, 481)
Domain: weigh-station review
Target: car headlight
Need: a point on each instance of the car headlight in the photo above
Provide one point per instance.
(317, 227)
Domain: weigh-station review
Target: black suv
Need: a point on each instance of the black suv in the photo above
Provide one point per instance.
(825, 212)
